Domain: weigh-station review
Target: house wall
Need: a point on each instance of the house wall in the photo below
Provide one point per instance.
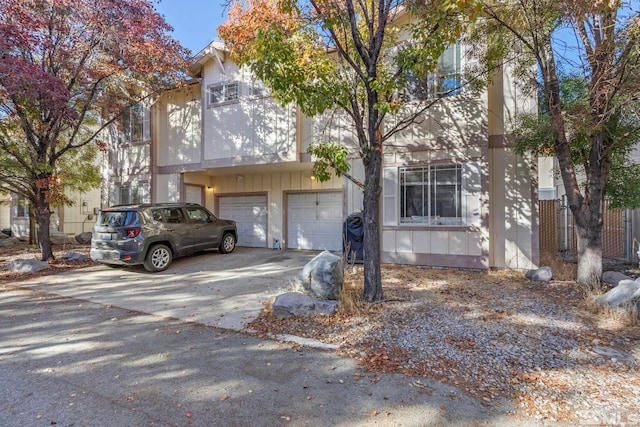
(5, 211)
(251, 130)
(177, 127)
(452, 132)
(513, 206)
(79, 217)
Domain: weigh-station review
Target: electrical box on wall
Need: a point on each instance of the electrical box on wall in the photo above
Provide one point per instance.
(84, 205)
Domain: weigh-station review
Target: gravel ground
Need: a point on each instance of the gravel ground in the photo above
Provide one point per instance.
(543, 347)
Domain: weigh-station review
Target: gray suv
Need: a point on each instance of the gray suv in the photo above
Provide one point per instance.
(154, 234)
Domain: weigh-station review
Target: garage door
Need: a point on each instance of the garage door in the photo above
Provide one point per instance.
(250, 214)
(315, 221)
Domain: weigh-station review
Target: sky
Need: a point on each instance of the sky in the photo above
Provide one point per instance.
(194, 22)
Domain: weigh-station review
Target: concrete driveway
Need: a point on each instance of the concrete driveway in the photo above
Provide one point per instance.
(225, 291)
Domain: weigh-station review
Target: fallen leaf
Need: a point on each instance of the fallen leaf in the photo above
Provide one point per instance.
(189, 414)
(224, 397)
(373, 413)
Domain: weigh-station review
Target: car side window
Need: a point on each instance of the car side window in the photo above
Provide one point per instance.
(157, 215)
(173, 215)
(198, 215)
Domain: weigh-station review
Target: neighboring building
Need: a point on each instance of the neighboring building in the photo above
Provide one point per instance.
(71, 220)
(454, 193)
(5, 212)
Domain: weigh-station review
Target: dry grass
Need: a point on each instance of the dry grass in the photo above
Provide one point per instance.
(350, 301)
(562, 268)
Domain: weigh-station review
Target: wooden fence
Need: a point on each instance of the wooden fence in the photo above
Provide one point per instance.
(558, 235)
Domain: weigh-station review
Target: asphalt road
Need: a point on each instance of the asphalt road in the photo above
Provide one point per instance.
(73, 361)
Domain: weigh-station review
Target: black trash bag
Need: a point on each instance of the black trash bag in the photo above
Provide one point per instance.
(353, 238)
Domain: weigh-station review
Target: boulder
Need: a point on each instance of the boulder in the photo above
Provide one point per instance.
(542, 274)
(626, 293)
(84, 238)
(322, 277)
(5, 243)
(614, 277)
(58, 238)
(3, 236)
(74, 256)
(297, 304)
(27, 265)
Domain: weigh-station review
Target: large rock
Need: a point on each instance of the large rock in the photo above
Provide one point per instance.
(626, 294)
(614, 277)
(3, 236)
(26, 265)
(322, 277)
(542, 274)
(74, 256)
(297, 304)
(5, 243)
(58, 238)
(84, 238)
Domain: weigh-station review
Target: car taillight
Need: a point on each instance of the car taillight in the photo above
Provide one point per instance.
(133, 232)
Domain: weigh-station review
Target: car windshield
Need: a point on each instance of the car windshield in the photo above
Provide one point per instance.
(118, 218)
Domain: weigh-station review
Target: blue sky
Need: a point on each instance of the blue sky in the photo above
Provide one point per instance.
(194, 22)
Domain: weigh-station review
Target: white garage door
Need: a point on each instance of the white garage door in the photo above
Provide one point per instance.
(250, 214)
(315, 221)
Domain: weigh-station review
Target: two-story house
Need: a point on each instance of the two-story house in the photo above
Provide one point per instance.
(454, 193)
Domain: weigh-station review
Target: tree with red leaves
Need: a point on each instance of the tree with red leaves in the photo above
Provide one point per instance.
(67, 70)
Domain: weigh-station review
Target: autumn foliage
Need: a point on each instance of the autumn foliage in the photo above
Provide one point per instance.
(67, 69)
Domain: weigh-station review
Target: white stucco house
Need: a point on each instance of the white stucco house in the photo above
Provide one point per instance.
(454, 193)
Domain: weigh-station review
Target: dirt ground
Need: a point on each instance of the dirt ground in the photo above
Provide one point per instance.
(27, 251)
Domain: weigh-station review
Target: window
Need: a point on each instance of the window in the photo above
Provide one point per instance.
(129, 195)
(222, 93)
(258, 89)
(173, 215)
(118, 219)
(446, 80)
(198, 215)
(431, 195)
(132, 123)
(21, 207)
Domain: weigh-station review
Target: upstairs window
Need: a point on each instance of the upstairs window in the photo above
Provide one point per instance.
(223, 93)
(132, 125)
(446, 80)
(258, 89)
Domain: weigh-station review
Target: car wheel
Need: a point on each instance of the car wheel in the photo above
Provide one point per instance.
(228, 243)
(158, 258)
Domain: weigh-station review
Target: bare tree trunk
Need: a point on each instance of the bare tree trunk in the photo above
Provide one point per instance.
(32, 225)
(43, 214)
(372, 191)
(589, 256)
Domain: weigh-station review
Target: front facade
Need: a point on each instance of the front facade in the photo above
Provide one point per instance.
(454, 193)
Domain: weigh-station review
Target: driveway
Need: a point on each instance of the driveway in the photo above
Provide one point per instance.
(211, 288)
